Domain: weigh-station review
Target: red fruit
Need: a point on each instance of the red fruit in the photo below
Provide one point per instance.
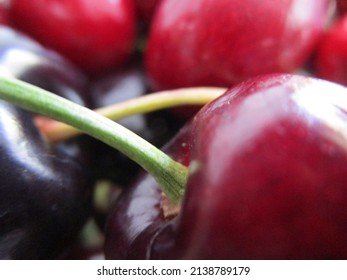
(268, 171)
(271, 173)
(222, 42)
(96, 35)
(331, 57)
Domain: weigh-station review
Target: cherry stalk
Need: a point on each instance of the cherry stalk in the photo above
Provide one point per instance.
(59, 131)
(268, 165)
(170, 174)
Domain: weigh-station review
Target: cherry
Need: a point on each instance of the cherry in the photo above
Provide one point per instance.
(139, 208)
(267, 171)
(279, 193)
(45, 188)
(45, 194)
(220, 43)
(331, 57)
(241, 200)
(96, 36)
(27, 60)
(170, 174)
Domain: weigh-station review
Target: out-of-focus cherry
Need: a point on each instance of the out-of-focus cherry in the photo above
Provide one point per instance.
(222, 42)
(95, 35)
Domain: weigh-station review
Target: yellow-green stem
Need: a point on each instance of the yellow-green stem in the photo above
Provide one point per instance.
(58, 131)
(170, 175)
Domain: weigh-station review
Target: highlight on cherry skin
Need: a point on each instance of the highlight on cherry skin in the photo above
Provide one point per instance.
(256, 174)
(267, 180)
(46, 188)
(266, 177)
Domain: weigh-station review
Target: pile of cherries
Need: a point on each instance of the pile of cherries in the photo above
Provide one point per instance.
(266, 161)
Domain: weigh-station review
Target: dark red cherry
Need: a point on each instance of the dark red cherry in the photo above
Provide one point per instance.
(137, 215)
(331, 57)
(275, 165)
(222, 42)
(95, 35)
(268, 165)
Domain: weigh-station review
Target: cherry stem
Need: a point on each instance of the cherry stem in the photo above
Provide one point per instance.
(57, 131)
(170, 175)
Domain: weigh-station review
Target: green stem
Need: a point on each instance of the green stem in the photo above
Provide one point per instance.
(58, 131)
(169, 174)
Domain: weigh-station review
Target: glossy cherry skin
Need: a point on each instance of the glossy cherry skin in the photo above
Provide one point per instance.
(95, 35)
(222, 42)
(137, 216)
(45, 189)
(274, 164)
(117, 87)
(267, 179)
(27, 60)
(331, 57)
(45, 192)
